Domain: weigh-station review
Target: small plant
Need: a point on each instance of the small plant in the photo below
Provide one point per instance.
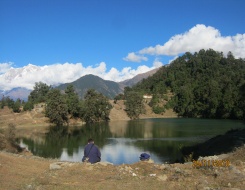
(188, 158)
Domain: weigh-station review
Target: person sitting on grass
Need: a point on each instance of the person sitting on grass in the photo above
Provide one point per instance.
(91, 152)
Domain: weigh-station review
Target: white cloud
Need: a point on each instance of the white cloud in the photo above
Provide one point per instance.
(135, 58)
(63, 73)
(199, 37)
(5, 67)
(157, 63)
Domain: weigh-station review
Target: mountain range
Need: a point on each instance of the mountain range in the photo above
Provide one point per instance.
(108, 88)
(15, 93)
(81, 85)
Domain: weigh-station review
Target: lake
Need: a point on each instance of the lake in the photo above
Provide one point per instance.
(123, 141)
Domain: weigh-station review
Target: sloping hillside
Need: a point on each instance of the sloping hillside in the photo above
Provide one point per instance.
(205, 84)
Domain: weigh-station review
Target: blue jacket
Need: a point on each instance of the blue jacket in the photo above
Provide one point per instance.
(93, 154)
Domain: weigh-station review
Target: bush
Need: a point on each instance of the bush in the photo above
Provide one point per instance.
(158, 109)
(28, 106)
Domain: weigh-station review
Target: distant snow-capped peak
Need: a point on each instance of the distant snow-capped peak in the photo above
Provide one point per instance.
(15, 73)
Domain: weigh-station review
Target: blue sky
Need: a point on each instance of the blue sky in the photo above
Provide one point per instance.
(114, 39)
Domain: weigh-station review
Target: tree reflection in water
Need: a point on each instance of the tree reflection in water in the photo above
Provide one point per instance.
(59, 138)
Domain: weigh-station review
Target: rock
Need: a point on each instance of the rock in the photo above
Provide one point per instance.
(209, 158)
(133, 174)
(223, 156)
(54, 166)
(104, 163)
(153, 175)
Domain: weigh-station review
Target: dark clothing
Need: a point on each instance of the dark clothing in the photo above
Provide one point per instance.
(92, 152)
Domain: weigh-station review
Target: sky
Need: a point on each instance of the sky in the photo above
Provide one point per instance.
(59, 41)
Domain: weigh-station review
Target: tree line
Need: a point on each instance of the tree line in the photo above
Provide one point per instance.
(14, 105)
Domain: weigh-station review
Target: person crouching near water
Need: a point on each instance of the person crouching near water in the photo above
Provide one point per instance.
(146, 158)
(91, 152)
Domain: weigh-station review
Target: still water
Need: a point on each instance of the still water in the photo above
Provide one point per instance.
(123, 141)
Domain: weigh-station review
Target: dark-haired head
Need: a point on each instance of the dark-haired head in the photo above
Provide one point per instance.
(90, 140)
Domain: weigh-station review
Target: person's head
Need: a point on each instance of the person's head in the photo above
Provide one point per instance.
(90, 141)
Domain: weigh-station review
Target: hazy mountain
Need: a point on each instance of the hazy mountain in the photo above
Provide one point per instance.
(138, 78)
(15, 93)
(106, 87)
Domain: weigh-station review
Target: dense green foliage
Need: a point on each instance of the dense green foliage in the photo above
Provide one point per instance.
(72, 101)
(16, 106)
(205, 84)
(119, 97)
(56, 108)
(96, 107)
(28, 106)
(39, 93)
(134, 103)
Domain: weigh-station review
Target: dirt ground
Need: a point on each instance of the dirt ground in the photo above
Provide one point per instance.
(23, 171)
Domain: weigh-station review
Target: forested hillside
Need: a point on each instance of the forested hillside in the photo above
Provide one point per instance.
(205, 84)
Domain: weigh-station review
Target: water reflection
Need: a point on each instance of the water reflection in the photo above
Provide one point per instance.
(123, 141)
